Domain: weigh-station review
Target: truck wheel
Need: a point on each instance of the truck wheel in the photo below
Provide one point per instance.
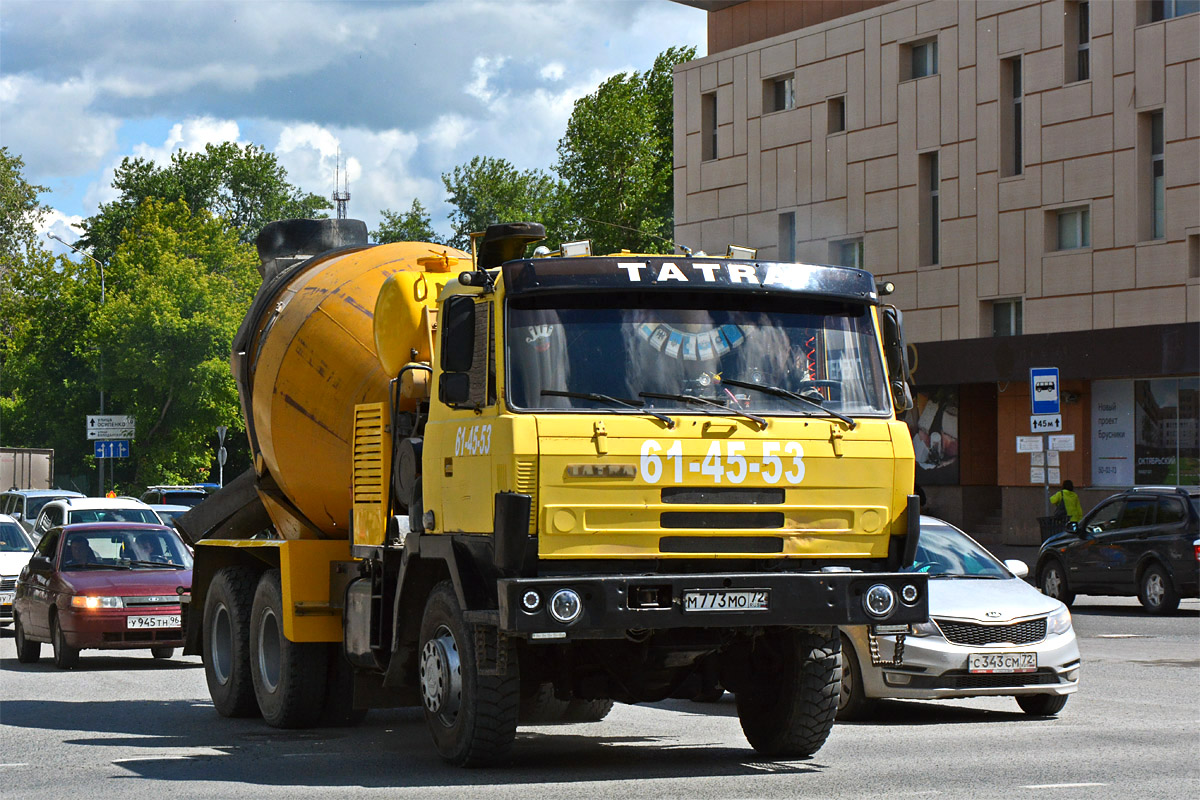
(1156, 592)
(471, 717)
(709, 694)
(226, 642)
(1042, 705)
(791, 699)
(65, 656)
(853, 702)
(339, 709)
(27, 652)
(289, 677)
(542, 707)
(587, 710)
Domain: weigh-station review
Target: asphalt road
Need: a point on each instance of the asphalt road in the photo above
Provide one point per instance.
(126, 726)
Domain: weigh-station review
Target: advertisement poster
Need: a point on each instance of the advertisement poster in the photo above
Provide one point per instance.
(1166, 431)
(1112, 433)
(933, 423)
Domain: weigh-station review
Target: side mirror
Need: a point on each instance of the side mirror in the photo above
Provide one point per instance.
(1017, 567)
(1074, 527)
(455, 388)
(40, 564)
(896, 351)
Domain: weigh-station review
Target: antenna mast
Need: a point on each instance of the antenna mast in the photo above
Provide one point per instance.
(340, 198)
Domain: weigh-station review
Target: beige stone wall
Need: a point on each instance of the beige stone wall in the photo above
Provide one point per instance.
(1081, 148)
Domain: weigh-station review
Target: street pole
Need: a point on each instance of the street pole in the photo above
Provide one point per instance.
(221, 454)
(100, 264)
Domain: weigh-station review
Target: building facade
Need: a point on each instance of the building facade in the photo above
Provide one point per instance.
(1027, 174)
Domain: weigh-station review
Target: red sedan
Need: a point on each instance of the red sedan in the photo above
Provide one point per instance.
(104, 586)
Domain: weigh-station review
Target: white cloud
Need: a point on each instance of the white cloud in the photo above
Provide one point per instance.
(51, 127)
(189, 136)
(553, 71)
(482, 71)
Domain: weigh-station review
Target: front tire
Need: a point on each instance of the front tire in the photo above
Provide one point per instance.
(1052, 580)
(226, 645)
(65, 656)
(27, 652)
(587, 710)
(289, 677)
(1156, 592)
(1042, 705)
(471, 717)
(791, 699)
(162, 653)
(853, 703)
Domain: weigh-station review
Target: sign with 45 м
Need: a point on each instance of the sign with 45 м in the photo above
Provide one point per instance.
(1043, 388)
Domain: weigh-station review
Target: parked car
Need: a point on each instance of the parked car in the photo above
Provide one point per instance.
(90, 509)
(989, 633)
(174, 495)
(107, 585)
(23, 505)
(15, 549)
(167, 512)
(1143, 542)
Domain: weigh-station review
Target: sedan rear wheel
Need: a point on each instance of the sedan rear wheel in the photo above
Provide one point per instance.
(65, 656)
(1156, 592)
(1052, 580)
(27, 652)
(1042, 705)
(853, 703)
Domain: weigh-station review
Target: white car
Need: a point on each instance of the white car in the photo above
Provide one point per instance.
(989, 633)
(167, 512)
(91, 509)
(15, 550)
(23, 505)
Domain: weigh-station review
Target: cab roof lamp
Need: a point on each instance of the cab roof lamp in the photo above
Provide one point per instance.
(743, 253)
(580, 248)
(885, 288)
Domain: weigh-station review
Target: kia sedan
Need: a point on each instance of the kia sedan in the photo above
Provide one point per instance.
(104, 586)
(15, 550)
(989, 633)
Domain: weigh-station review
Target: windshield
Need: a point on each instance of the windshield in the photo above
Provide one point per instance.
(113, 515)
(189, 499)
(622, 345)
(946, 551)
(128, 549)
(13, 539)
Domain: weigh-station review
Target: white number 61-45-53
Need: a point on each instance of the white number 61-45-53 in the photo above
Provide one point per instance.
(732, 465)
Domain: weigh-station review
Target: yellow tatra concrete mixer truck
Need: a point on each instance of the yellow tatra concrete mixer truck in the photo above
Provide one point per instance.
(500, 486)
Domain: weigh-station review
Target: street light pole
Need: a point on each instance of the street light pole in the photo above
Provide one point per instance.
(100, 264)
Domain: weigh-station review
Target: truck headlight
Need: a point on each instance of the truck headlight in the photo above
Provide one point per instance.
(96, 601)
(1059, 621)
(879, 601)
(566, 605)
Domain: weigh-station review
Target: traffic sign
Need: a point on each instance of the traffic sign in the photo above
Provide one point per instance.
(1045, 423)
(111, 449)
(110, 426)
(1043, 389)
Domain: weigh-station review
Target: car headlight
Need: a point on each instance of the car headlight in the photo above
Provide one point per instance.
(1059, 621)
(926, 628)
(96, 601)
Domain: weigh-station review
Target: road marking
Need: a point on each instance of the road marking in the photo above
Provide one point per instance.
(1122, 636)
(2, 766)
(174, 754)
(1062, 785)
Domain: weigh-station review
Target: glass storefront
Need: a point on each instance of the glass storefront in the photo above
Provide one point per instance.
(1146, 432)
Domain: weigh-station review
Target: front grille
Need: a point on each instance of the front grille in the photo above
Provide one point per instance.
(972, 633)
(959, 679)
(156, 635)
(170, 602)
(721, 520)
(7, 584)
(720, 544)
(5, 612)
(722, 497)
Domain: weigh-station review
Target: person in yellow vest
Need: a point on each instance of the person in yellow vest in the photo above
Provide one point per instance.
(1069, 500)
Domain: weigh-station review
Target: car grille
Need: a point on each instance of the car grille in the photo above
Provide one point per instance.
(156, 635)
(959, 679)
(7, 584)
(970, 633)
(169, 601)
(6, 612)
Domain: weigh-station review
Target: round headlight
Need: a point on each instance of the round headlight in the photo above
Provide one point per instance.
(566, 605)
(909, 593)
(879, 601)
(530, 601)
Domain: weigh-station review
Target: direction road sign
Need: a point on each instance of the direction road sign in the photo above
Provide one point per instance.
(111, 449)
(110, 426)
(1043, 388)
(1045, 423)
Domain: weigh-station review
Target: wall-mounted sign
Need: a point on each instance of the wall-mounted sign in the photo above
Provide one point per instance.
(1029, 444)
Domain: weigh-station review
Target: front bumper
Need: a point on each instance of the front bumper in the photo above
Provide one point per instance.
(612, 605)
(934, 668)
(108, 629)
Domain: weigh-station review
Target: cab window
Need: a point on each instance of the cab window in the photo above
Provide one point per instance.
(1106, 517)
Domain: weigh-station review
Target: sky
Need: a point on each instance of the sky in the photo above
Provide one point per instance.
(405, 90)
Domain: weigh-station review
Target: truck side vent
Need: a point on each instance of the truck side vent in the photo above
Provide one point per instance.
(527, 484)
(721, 520)
(368, 453)
(697, 495)
(720, 544)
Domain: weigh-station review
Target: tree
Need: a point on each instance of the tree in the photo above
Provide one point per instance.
(20, 212)
(242, 185)
(410, 226)
(491, 190)
(617, 160)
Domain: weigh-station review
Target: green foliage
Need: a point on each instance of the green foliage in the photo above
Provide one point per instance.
(491, 190)
(20, 212)
(243, 186)
(617, 161)
(410, 226)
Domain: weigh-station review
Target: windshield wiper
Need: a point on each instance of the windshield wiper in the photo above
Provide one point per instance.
(155, 564)
(603, 398)
(704, 401)
(93, 565)
(781, 392)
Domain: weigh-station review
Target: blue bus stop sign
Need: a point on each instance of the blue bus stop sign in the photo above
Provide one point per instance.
(1043, 389)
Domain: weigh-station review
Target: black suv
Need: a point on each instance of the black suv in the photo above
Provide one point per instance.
(1144, 542)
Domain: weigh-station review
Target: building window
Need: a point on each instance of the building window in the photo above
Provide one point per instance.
(1011, 118)
(778, 94)
(1006, 317)
(708, 126)
(836, 112)
(1156, 221)
(847, 253)
(787, 236)
(1169, 9)
(927, 185)
(1077, 41)
(918, 59)
(1073, 228)
(1193, 249)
